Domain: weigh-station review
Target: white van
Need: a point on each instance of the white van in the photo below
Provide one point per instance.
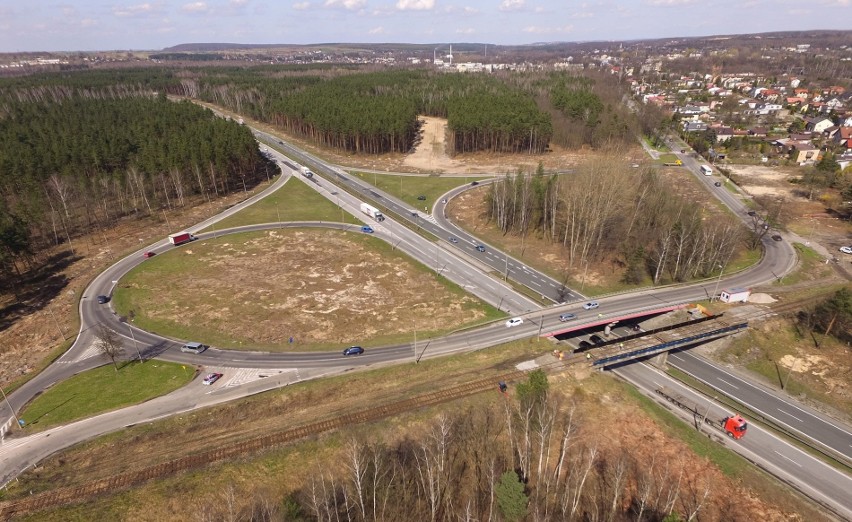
(193, 348)
(707, 171)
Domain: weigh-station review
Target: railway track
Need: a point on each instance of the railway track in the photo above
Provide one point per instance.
(75, 494)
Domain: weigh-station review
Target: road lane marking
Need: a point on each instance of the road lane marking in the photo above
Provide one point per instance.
(729, 384)
(788, 458)
(790, 414)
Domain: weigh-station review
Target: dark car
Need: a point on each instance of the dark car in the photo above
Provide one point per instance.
(367, 229)
(474, 183)
(421, 198)
(776, 237)
(480, 248)
(103, 299)
(751, 213)
(353, 350)
(149, 254)
(415, 215)
(718, 183)
(453, 239)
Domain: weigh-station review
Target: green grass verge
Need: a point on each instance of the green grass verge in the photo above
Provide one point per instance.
(408, 188)
(103, 389)
(295, 201)
(811, 265)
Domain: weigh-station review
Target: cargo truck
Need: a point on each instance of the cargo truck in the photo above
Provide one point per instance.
(181, 238)
(372, 211)
(733, 425)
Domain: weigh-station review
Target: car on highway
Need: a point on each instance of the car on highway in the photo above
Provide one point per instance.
(367, 229)
(515, 321)
(211, 378)
(146, 255)
(567, 317)
(353, 350)
(474, 183)
(103, 299)
(776, 237)
(846, 249)
(453, 239)
(415, 215)
(718, 184)
(193, 347)
(591, 305)
(421, 197)
(480, 248)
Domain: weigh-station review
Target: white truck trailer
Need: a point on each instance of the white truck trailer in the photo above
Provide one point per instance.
(372, 211)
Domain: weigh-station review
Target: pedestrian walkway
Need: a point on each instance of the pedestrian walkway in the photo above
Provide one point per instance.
(240, 376)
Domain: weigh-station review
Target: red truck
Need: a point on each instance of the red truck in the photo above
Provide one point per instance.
(181, 238)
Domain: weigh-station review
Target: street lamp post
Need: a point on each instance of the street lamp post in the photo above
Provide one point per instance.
(135, 344)
(719, 280)
(15, 415)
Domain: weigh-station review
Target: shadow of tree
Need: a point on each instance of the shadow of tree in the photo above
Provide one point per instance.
(36, 289)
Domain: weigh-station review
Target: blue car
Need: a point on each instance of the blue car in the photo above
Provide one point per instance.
(367, 229)
(353, 350)
(480, 248)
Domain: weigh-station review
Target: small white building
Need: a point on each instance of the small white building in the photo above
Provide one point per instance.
(735, 295)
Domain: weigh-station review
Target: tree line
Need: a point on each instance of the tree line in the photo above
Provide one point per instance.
(528, 457)
(603, 209)
(76, 159)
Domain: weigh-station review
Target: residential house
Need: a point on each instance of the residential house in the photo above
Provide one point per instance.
(724, 134)
(843, 137)
(801, 93)
(758, 132)
(818, 124)
(804, 153)
(694, 126)
(844, 160)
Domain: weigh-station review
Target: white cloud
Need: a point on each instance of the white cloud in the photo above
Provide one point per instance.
(195, 7)
(377, 30)
(301, 6)
(534, 29)
(89, 22)
(415, 5)
(511, 5)
(584, 14)
(349, 5)
(138, 10)
(238, 3)
(468, 30)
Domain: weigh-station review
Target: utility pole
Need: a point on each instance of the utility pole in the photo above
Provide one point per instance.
(135, 344)
(15, 415)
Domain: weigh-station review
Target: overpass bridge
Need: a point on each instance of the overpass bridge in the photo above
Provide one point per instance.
(647, 343)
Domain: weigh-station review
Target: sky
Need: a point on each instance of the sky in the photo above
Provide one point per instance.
(103, 25)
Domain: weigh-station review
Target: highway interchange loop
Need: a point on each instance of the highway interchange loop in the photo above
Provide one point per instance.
(463, 264)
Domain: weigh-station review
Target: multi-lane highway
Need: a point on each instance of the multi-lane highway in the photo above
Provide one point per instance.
(478, 272)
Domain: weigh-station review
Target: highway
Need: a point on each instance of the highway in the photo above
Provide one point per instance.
(460, 262)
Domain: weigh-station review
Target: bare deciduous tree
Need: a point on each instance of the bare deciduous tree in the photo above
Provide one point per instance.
(109, 344)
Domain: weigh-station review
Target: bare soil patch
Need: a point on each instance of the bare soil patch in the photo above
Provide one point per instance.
(320, 287)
